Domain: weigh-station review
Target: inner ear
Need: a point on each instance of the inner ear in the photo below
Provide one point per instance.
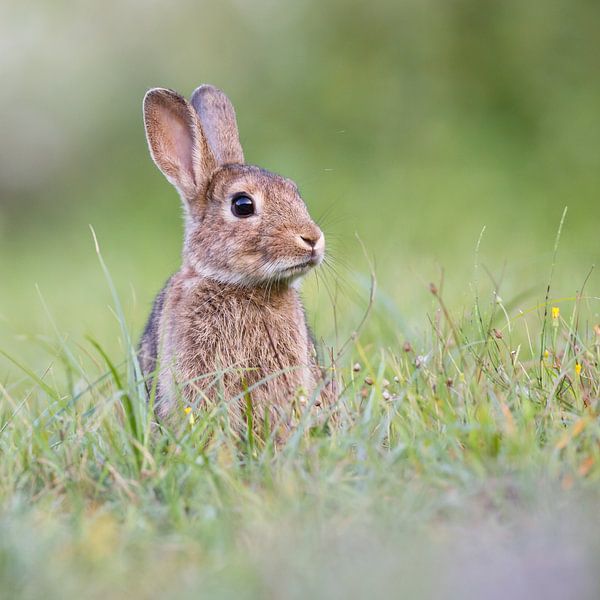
(180, 143)
(219, 125)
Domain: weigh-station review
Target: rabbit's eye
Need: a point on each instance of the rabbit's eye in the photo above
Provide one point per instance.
(242, 206)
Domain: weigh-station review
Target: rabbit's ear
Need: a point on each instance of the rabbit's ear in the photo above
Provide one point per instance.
(219, 125)
(176, 142)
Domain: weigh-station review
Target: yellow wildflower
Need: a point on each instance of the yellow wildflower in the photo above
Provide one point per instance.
(555, 313)
(188, 411)
(578, 368)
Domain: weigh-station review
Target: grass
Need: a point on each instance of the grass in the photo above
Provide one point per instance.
(464, 463)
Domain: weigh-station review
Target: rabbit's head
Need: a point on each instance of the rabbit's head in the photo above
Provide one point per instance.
(244, 225)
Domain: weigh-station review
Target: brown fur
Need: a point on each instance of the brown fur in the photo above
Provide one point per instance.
(230, 323)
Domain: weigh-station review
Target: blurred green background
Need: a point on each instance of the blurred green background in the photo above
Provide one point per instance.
(413, 123)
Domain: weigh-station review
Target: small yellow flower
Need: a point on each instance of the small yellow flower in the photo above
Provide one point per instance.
(546, 354)
(188, 411)
(578, 368)
(555, 313)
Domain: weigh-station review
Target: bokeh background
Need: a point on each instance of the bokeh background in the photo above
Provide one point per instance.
(412, 123)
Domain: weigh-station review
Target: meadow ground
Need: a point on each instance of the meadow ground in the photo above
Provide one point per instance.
(465, 463)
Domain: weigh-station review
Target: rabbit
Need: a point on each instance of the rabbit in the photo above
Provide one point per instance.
(230, 323)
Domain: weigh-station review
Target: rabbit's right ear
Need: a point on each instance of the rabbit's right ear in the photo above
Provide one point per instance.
(176, 142)
(217, 118)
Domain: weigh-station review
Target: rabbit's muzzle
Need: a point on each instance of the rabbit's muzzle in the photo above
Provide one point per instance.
(313, 243)
(313, 240)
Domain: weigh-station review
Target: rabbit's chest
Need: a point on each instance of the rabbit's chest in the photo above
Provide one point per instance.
(237, 332)
(236, 341)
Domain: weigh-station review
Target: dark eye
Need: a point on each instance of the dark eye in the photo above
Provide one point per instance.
(242, 206)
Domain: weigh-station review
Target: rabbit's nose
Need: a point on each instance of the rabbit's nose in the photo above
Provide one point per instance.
(310, 241)
(313, 238)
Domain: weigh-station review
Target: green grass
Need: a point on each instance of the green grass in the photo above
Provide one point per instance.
(463, 463)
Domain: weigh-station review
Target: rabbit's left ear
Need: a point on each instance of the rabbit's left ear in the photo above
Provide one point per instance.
(176, 142)
(217, 118)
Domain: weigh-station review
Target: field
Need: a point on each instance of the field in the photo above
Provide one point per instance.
(450, 153)
(472, 452)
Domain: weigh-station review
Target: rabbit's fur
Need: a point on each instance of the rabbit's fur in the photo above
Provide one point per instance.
(230, 322)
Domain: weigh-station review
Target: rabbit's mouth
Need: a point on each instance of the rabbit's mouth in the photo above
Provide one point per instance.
(298, 270)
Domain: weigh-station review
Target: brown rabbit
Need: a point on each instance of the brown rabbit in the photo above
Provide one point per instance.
(230, 322)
